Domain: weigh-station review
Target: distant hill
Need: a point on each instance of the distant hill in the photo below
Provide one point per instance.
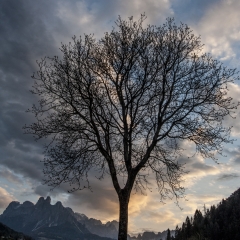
(109, 229)
(221, 222)
(153, 236)
(46, 221)
(7, 233)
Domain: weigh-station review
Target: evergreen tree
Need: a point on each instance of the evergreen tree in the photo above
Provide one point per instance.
(168, 234)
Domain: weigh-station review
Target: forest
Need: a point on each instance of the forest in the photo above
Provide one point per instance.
(219, 222)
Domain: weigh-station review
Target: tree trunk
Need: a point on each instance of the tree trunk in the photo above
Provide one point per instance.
(124, 197)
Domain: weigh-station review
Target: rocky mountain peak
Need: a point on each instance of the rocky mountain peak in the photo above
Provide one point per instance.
(27, 204)
(139, 236)
(48, 199)
(58, 204)
(14, 204)
(11, 208)
(41, 201)
(112, 223)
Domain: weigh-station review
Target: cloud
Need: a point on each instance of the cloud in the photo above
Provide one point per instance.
(237, 160)
(102, 200)
(191, 12)
(10, 176)
(156, 10)
(228, 176)
(44, 191)
(234, 153)
(5, 198)
(33, 30)
(21, 161)
(145, 209)
(220, 29)
(83, 15)
(195, 165)
(232, 121)
(168, 215)
(197, 201)
(27, 37)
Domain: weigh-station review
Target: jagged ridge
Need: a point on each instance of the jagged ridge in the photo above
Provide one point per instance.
(46, 220)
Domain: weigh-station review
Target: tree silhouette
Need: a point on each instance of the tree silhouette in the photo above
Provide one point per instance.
(124, 104)
(168, 235)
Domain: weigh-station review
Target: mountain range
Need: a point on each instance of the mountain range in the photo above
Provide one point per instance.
(153, 236)
(46, 221)
(43, 221)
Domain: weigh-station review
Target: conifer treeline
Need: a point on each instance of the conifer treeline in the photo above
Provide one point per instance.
(217, 223)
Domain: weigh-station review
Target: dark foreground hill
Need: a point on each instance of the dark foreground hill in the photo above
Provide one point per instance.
(46, 221)
(221, 222)
(9, 234)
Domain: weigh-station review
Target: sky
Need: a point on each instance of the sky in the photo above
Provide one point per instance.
(31, 30)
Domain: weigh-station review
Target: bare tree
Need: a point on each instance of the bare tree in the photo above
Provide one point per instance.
(124, 104)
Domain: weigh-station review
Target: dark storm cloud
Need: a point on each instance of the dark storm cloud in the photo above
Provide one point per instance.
(30, 30)
(26, 34)
(27, 166)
